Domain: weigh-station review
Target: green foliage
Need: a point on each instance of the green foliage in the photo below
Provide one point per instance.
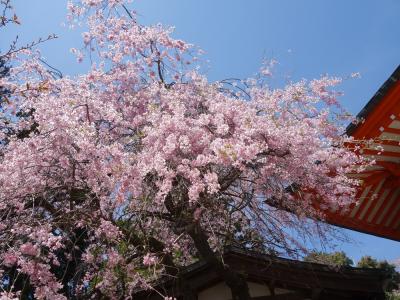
(338, 258)
(390, 270)
(123, 247)
(392, 295)
(367, 262)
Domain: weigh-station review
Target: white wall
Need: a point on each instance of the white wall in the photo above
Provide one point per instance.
(221, 291)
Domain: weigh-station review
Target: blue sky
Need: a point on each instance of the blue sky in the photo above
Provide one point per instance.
(308, 38)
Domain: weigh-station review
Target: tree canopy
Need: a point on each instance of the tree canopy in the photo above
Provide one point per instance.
(139, 167)
(370, 262)
(338, 258)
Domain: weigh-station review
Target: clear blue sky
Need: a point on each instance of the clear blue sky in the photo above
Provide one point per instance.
(308, 38)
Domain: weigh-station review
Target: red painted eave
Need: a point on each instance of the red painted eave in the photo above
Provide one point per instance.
(378, 209)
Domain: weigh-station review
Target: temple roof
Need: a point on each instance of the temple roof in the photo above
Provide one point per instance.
(378, 209)
(303, 280)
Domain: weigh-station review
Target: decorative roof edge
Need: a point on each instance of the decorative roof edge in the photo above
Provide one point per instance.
(375, 100)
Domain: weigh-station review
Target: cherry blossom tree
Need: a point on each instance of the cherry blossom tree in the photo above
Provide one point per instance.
(132, 171)
(8, 17)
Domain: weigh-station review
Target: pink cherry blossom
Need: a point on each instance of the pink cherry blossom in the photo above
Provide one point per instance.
(149, 259)
(29, 249)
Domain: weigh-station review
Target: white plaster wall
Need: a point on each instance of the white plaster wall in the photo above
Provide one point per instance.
(221, 291)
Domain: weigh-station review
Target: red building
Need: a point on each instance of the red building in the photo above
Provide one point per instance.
(378, 209)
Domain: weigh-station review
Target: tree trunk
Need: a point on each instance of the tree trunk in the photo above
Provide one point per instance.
(236, 282)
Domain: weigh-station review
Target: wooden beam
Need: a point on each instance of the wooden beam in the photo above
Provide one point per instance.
(289, 296)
